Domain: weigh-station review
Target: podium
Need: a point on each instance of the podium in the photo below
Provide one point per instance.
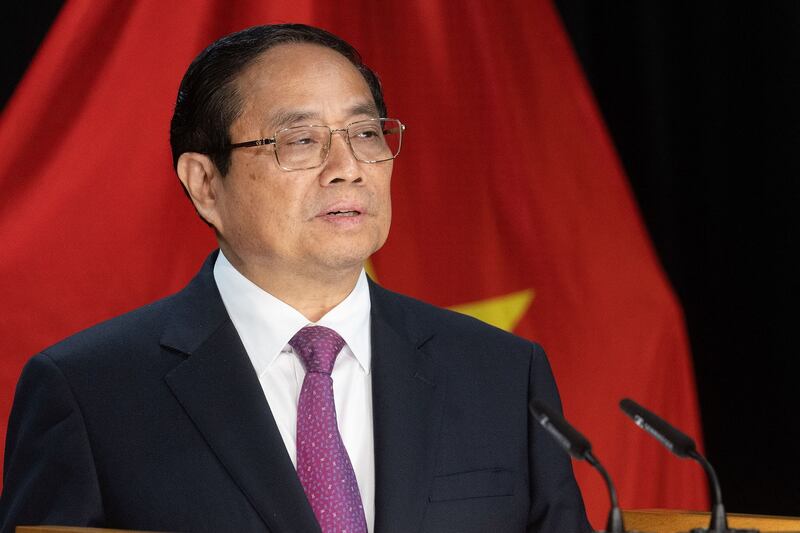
(672, 521)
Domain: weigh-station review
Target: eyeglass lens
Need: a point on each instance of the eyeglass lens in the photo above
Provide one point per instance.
(371, 141)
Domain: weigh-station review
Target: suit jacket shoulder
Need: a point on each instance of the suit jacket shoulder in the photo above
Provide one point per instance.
(423, 320)
(183, 319)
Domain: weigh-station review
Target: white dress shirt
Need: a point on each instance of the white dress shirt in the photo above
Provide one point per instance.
(266, 324)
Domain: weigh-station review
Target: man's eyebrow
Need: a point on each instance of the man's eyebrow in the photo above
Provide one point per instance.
(364, 108)
(285, 118)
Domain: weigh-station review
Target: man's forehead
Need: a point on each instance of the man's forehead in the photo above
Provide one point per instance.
(294, 65)
(299, 82)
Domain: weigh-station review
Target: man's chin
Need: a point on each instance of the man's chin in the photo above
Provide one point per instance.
(349, 260)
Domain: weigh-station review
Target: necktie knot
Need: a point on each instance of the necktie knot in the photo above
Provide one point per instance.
(318, 347)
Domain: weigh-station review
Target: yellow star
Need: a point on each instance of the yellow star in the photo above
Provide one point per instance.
(503, 312)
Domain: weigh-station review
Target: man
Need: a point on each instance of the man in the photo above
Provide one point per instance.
(282, 390)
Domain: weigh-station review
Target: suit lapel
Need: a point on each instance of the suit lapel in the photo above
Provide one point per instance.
(219, 390)
(407, 409)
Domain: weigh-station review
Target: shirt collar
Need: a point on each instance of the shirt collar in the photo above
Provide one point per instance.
(266, 324)
(351, 320)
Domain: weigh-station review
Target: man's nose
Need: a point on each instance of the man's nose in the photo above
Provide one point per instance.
(341, 164)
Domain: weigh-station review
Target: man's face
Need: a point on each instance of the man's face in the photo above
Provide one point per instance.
(282, 222)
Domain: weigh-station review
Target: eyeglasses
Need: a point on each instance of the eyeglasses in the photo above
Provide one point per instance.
(305, 147)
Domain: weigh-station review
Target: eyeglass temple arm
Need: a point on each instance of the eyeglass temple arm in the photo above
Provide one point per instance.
(258, 142)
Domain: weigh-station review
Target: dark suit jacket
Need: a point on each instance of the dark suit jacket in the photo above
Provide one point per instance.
(156, 420)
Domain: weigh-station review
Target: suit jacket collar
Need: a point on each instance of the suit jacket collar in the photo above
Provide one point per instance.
(220, 392)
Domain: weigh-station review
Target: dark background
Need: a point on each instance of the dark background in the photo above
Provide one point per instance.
(701, 99)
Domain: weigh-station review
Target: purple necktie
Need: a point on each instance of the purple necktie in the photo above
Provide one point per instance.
(323, 465)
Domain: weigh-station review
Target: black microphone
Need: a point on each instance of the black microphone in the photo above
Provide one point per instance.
(578, 447)
(683, 446)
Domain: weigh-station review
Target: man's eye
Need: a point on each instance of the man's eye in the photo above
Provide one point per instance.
(300, 140)
(367, 134)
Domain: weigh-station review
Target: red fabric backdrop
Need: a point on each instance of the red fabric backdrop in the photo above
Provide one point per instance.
(508, 182)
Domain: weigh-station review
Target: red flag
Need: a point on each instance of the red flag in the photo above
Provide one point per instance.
(509, 201)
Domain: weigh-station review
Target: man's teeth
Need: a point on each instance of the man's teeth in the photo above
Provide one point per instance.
(343, 213)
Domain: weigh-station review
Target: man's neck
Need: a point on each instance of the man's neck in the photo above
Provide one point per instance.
(312, 294)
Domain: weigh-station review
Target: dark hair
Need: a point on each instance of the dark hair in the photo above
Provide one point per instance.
(208, 100)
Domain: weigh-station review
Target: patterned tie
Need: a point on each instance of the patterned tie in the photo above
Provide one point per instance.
(323, 465)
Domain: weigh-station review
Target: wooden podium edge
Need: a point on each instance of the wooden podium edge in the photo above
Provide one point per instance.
(672, 521)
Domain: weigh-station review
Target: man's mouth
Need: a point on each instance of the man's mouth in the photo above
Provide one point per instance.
(343, 213)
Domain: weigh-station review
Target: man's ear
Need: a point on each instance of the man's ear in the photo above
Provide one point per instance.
(198, 174)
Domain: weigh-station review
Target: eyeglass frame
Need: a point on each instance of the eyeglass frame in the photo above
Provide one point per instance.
(272, 140)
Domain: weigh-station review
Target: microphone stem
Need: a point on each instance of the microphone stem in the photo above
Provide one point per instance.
(719, 519)
(615, 524)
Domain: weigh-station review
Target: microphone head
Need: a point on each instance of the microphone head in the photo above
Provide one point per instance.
(674, 440)
(567, 436)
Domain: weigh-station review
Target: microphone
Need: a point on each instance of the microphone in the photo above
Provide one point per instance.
(683, 446)
(578, 447)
